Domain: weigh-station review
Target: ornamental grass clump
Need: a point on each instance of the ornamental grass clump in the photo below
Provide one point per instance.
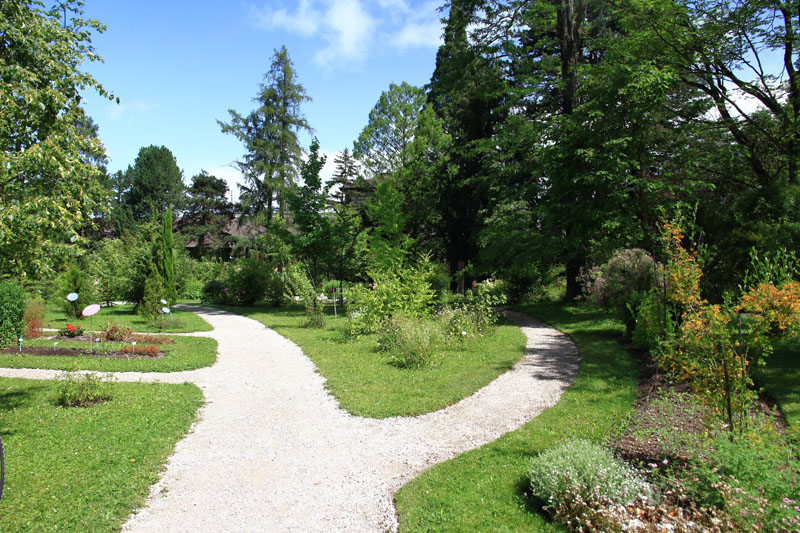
(579, 475)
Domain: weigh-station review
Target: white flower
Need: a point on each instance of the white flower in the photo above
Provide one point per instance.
(463, 332)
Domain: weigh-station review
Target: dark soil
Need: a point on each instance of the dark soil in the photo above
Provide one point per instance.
(77, 352)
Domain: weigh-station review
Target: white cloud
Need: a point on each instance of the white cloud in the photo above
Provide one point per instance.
(418, 35)
(232, 177)
(419, 28)
(305, 20)
(348, 28)
(117, 111)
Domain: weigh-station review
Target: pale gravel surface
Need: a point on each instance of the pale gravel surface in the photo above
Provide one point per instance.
(273, 451)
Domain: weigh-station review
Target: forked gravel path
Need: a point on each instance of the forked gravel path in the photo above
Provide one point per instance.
(273, 451)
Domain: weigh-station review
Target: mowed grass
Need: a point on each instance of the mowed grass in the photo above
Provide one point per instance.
(780, 377)
(187, 353)
(365, 381)
(86, 469)
(484, 490)
(179, 321)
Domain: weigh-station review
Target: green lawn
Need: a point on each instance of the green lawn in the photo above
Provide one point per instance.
(483, 490)
(781, 379)
(180, 321)
(86, 469)
(367, 384)
(187, 353)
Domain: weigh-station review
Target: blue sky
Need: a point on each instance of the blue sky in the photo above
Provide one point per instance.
(178, 66)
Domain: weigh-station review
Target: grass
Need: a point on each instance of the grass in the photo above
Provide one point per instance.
(187, 353)
(781, 379)
(484, 490)
(367, 384)
(180, 321)
(86, 469)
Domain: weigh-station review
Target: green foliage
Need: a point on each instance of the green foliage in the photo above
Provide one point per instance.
(655, 321)
(405, 291)
(108, 269)
(776, 268)
(83, 389)
(156, 183)
(49, 164)
(580, 471)
(154, 292)
(166, 257)
(270, 138)
(750, 478)
(12, 310)
(392, 122)
(75, 280)
(389, 246)
(308, 204)
(621, 283)
(244, 282)
(208, 209)
(300, 286)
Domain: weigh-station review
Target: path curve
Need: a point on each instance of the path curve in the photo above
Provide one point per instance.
(273, 451)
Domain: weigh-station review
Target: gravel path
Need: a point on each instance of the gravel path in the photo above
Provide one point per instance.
(273, 451)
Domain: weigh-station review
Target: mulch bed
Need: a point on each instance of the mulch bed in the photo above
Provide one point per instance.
(663, 410)
(76, 352)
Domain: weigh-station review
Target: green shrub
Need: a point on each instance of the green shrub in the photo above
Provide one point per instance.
(12, 310)
(299, 284)
(245, 282)
(580, 473)
(75, 280)
(621, 283)
(154, 292)
(83, 389)
(475, 314)
(411, 342)
(405, 290)
(757, 470)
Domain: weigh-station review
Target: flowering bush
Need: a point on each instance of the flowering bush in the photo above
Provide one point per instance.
(620, 283)
(580, 474)
(71, 331)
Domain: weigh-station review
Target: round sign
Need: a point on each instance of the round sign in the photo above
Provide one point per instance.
(72, 296)
(163, 301)
(165, 310)
(90, 310)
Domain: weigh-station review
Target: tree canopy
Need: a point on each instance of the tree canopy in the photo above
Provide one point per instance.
(49, 163)
(270, 136)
